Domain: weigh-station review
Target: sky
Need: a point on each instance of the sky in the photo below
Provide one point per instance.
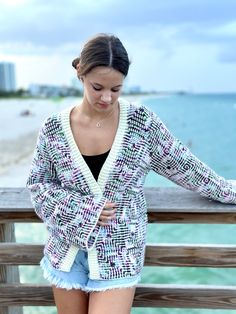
(173, 45)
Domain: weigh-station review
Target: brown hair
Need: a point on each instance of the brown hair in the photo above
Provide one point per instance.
(102, 50)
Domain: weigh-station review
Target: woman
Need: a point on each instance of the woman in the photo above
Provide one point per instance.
(86, 183)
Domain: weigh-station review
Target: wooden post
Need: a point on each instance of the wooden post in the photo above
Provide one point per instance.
(9, 274)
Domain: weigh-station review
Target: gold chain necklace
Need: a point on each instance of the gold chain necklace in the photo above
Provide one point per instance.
(98, 124)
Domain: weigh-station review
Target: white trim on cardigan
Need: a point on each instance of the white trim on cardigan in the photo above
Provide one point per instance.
(96, 187)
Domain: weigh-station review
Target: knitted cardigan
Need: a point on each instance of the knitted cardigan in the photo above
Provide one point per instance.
(69, 200)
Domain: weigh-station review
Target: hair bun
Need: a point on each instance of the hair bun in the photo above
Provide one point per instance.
(75, 62)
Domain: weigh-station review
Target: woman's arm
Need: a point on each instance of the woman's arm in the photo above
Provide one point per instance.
(171, 159)
(67, 214)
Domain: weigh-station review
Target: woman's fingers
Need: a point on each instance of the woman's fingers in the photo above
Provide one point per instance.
(109, 205)
(107, 214)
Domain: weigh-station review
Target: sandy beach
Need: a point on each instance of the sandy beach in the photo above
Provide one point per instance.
(15, 159)
(18, 135)
(14, 151)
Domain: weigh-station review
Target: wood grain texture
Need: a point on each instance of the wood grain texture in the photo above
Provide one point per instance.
(20, 254)
(165, 205)
(186, 296)
(194, 255)
(162, 296)
(180, 255)
(8, 274)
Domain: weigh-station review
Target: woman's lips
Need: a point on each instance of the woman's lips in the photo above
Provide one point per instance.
(104, 105)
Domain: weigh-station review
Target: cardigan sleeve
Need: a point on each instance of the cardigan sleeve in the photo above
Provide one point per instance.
(67, 214)
(171, 159)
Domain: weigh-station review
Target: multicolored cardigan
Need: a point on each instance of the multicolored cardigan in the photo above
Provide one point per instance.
(69, 200)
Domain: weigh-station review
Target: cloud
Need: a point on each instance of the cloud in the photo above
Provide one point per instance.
(52, 24)
(168, 39)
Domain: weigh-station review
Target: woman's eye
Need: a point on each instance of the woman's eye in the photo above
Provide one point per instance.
(96, 88)
(100, 88)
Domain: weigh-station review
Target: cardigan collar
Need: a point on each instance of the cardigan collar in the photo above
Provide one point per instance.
(97, 187)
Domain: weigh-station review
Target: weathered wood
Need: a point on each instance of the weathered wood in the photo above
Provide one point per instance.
(194, 255)
(8, 274)
(177, 199)
(165, 205)
(165, 296)
(186, 296)
(172, 199)
(24, 294)
(180, 218)
(4, 310)
(20, 254)
(14, 200)
(16, 206)
(7, 217)
(181, 255)
(191, 218)
(3, 279)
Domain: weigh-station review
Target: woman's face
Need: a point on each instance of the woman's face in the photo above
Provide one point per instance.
(102, 87)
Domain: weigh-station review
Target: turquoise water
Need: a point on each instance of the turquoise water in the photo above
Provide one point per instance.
(205, 123)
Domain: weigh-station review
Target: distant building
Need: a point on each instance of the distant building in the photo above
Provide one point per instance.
(7, 77)
(38, 90)
(136, 89)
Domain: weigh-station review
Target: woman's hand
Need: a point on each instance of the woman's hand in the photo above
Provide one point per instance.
(108, 213)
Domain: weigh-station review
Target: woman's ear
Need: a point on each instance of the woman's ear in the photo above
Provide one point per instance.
(77, 67)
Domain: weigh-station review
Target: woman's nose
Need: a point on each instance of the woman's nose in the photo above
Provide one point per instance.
(106, 97)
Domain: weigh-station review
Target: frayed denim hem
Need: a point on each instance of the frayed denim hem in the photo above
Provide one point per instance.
(89, 287)
(122, 286)
(58, 282)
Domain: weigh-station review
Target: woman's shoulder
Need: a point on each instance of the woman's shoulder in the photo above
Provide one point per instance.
(53, 122)
(135, 107)
(137, 111)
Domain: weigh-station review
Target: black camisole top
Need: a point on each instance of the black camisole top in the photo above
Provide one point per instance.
(95, 163)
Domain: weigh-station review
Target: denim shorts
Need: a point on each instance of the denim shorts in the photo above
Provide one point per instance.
(78, 276)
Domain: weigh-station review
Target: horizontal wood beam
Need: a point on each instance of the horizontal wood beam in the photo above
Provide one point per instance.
(191, 218)
(167, 218)
(194, 255)
(162, 296)
(179, 255)
(20, 254)
(165, 199)
(165, 205)
(185, 296)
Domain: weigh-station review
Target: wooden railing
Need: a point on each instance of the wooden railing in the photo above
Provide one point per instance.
(165, 205)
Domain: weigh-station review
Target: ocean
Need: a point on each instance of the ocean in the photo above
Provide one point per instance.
(205, 123)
